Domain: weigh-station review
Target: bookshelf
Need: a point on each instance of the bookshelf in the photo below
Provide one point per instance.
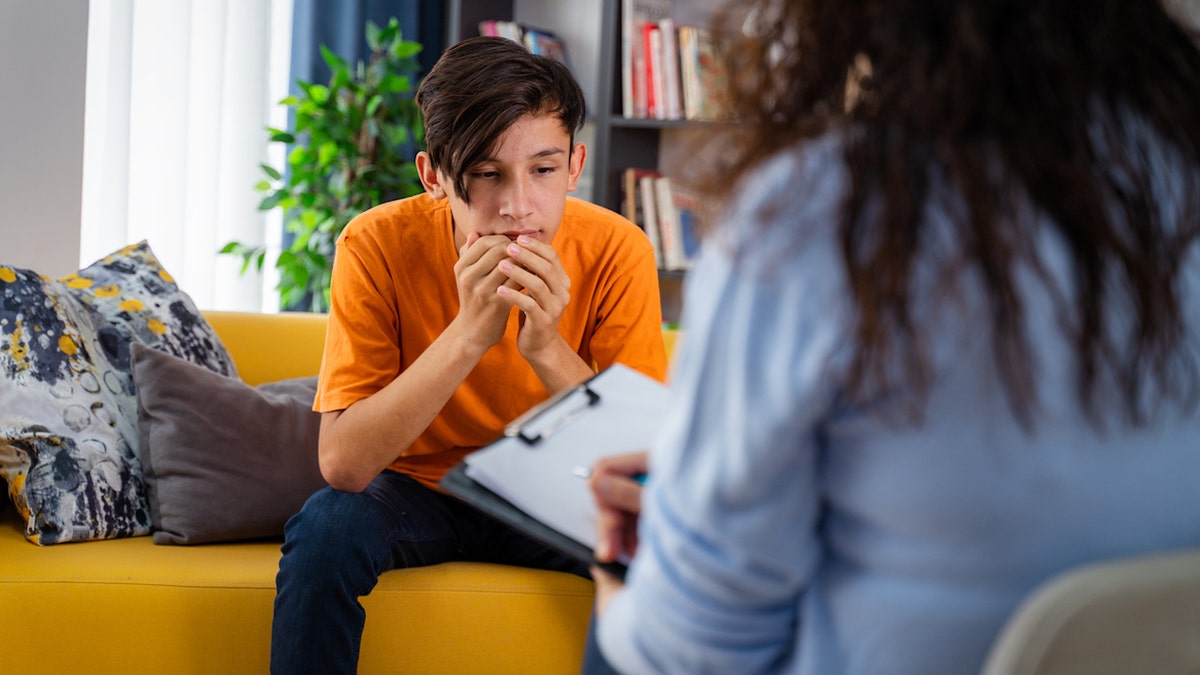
(616, 142)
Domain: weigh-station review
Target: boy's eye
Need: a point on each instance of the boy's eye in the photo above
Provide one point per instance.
(546, 169)
(485, 174)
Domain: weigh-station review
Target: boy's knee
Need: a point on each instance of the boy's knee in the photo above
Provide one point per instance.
(332, 522)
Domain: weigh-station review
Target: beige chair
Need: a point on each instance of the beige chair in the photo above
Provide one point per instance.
(1138, 616)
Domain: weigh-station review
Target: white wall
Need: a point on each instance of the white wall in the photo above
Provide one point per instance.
(43, 51)
(578, 24)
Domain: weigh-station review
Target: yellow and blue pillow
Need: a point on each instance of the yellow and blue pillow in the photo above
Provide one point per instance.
(68, 408)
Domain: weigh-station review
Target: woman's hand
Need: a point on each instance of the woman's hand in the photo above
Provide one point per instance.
(616, 484)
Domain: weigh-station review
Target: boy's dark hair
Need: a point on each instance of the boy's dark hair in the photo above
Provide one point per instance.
(478, 89)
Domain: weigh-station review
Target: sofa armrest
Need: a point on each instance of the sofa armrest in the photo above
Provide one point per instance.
(271, 347)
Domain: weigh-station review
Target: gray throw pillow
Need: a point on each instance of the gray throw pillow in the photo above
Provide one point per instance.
(223, 461)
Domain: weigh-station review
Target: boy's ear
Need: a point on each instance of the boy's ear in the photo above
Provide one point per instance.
(575, 167)
(429, 176)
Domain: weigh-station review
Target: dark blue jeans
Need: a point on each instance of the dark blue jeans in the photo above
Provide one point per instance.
(336, 547)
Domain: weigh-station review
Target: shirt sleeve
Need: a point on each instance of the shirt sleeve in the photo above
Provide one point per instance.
(629, 331)
(362, 342)
(728, 533)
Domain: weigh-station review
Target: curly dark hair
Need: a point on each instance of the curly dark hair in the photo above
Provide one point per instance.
(1001, 99)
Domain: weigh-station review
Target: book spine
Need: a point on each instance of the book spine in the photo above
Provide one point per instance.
(627, 67)
(687, 71)
(668, 225)
(712, 77)
(653, 54)
(650, 216)
(630, 204)
(640, 85)
(670, 70)
(687, 214)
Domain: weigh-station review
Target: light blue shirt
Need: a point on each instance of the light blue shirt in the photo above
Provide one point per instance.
(784, 531)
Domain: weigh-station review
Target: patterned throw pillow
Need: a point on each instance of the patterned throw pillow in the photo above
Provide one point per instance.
(68, 410)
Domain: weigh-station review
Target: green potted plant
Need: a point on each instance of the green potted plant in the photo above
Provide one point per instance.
(352, 147)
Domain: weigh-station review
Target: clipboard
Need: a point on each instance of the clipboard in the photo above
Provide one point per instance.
(534, 478)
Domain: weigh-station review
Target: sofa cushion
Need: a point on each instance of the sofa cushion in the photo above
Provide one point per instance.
(68, 416)
(223, 460)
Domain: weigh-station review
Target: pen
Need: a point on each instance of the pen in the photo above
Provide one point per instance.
(586, 472)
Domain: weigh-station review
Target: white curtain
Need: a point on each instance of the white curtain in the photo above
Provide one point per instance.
(178, 95)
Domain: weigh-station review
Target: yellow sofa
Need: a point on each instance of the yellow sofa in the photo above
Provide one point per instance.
(130, 606)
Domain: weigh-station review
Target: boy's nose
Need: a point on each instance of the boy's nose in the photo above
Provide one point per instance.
(517, 201)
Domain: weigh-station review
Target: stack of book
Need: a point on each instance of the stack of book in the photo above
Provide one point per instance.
(536, 40)
(670, 72)
(668, 213)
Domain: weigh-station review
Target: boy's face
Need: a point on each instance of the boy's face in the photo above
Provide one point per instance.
(521, 188)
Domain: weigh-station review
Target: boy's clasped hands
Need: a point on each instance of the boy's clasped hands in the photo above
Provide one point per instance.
(496, 273)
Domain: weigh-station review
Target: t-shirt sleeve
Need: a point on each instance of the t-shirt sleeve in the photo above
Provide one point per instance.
(362, 341)
(629, 328)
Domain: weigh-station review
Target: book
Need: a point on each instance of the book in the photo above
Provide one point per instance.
(668, 225)
(631, 202)
(687, 212)
(633, 209)
(679, 223)
(500, 28)
(647, 181)
(536, 40)
(652, 44)
(706, 75)
(672, 94)
(545, 43)
(634, 87)
(687, 70)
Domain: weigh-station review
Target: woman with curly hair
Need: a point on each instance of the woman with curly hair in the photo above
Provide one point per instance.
(941, 345)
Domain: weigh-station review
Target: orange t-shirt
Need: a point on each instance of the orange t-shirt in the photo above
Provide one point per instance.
(394, 292)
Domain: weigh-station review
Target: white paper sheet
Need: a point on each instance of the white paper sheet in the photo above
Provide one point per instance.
(548, 478)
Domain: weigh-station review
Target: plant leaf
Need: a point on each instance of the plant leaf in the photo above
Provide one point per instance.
(352, 146)
(272, 200)
(334, 61)
(327, 153)
(373, 105)
(373, 35)
(406, 49)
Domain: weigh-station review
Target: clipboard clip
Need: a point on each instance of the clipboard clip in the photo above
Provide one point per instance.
(550, 415)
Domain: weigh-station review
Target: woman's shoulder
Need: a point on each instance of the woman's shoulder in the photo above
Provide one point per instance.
(786, 210)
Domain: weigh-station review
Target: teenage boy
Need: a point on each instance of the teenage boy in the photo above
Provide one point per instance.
(453, 312)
